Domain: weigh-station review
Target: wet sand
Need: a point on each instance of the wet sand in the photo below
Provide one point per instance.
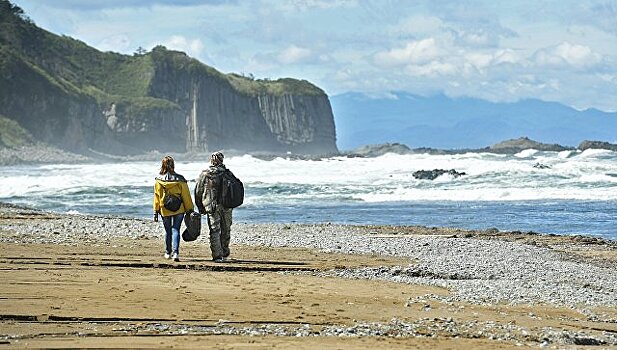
(125, 294)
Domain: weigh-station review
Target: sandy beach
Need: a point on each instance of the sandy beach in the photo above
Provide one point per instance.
(93, 281)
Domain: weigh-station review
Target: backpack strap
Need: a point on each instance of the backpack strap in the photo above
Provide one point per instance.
(221, 176)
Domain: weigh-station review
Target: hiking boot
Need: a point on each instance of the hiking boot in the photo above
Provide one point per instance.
(218, 260)
(176, 257)
(167, 256)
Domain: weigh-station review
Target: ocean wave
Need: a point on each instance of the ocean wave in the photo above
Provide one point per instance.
(386, 178)
(526, 153)
(567, 154)
(592, 152)
(598, 178)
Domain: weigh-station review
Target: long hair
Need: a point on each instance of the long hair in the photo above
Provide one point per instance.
(167, 165)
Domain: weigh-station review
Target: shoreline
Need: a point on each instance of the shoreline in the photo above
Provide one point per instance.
(437, 285)
(525, 236)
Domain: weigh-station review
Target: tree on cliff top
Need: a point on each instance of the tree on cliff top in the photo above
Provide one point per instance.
(9, 10)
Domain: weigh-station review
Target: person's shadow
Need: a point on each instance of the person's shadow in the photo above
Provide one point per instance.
(246, 262)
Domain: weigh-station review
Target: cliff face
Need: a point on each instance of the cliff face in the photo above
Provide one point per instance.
(75, 97)
(48, 111)
(229, 113)
(302, 123)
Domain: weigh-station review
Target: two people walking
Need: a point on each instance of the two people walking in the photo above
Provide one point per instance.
(172, 187)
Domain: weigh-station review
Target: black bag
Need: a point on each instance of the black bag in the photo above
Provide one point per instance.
(171, 201)
(232, 190)
(192, 221)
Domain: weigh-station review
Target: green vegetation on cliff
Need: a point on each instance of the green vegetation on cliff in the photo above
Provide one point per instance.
(12, 135)
(70, 95)
(108, 77)
(131, 78)
(245, 85)
(273, 87)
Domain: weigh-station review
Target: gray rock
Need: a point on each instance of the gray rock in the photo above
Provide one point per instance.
(541, 166)
(433, 174)
(523, 143)
(597, 145)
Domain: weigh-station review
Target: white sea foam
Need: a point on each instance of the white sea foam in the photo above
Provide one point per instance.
(526, 153)
(598, 178)
(387, 178)
(592, 152)
(567, 154)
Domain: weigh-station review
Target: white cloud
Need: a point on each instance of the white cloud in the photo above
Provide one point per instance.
(611, 78)
(308, 5)
(434, 68)
(92, 5)
(193, 47)
(343, 74)
(418, 25)
(576, 54)
(479, 60)
(115, 43)
(414, 52)
(259, 65)
(506, 56)
(294, 54)
(477, 37)
(567, 54)
(478, 48)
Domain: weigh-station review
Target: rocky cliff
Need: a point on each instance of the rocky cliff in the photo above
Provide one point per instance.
(72, 96)
(231, 111)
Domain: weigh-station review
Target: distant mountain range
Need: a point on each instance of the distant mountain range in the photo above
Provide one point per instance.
(452, 123)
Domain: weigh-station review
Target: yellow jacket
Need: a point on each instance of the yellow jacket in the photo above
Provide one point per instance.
(173, 184)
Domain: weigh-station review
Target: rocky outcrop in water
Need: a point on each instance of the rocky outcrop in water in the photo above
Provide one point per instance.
(505, 147)
(433, 174)
(523, 143)
(597, 145)
(541, 166)
(77, 98)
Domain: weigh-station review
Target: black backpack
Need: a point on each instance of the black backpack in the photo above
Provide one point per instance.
(171, 201)
(232, 190)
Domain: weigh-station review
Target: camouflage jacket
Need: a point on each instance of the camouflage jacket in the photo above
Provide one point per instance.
(207, 189)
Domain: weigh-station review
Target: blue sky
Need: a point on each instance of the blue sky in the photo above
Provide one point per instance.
(564, 51)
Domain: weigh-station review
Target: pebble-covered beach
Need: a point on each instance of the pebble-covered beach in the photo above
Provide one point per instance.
(485, 268)
(478, 270)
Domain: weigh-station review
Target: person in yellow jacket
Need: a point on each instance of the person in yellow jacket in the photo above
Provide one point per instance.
(171, 200)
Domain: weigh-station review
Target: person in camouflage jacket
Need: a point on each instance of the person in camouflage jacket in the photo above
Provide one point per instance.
(207, 198)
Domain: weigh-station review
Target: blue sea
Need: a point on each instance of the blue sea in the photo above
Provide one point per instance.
(575, 194)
